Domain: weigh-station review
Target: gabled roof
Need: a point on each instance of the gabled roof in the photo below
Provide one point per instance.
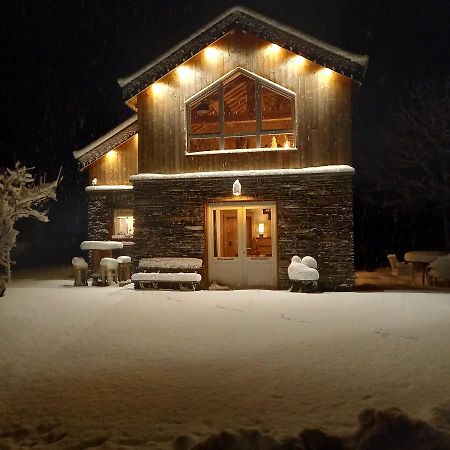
(87, 155)
(346, 63)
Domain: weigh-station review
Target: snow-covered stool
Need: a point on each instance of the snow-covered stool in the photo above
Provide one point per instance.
(80, 271)
(304, 274)
(124, 270)
(108, 267)
(155, 280)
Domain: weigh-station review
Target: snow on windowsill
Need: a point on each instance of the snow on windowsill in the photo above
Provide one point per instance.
(109, 187)
(100, 245)
(240, 150)
(246, 173)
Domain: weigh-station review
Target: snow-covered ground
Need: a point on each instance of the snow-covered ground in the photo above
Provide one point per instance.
(112, 368)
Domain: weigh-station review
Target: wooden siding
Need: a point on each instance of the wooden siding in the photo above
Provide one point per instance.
(117, 165)
(323, 109)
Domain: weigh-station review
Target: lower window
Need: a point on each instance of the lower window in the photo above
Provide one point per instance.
(123, 224)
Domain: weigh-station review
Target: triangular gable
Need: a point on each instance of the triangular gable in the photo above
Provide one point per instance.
(346, 63)
(106, 143)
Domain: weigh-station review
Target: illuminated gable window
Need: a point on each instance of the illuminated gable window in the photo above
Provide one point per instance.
(241, 111)
(123, 224)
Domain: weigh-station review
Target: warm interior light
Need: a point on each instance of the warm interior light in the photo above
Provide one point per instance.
(183, 72)
(211, 53)
(298, 60)
(286, 144)
(261, 229)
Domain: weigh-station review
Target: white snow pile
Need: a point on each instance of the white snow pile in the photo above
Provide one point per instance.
(171, 277)
(100, 245)
(123, 259)
(170, 263)
(79, 263)
(303, 269)
(109, 263)
(96, 368)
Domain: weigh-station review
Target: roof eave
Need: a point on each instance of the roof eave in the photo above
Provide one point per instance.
(87, 156)
(350, 65)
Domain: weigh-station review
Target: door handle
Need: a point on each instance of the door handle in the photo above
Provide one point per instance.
(224, 259)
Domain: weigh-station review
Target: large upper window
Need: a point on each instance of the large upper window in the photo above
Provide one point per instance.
(241, 112)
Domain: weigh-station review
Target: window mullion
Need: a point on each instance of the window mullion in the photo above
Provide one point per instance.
(258, 113)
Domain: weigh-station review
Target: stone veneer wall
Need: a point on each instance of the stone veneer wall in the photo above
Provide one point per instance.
(100, 207)
(314, 217)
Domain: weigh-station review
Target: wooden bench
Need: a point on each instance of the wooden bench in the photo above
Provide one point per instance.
(156, 280)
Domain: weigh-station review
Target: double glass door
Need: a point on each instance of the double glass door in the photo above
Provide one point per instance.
(242, 245)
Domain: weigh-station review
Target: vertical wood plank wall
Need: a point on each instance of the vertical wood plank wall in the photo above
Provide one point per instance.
(116, 166)
(323, 108)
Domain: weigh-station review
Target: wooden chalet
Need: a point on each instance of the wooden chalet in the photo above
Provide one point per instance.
(239, 153)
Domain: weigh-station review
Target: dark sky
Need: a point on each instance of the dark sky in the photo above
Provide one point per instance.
(61, 59)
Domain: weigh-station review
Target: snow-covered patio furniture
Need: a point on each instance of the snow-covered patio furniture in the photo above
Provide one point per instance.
(108, 267)
(304, 274)
(156, 280)
(399, 269)
(167, 264)
(420, 259)
(99, 249)
(80, 271)
(172, 265)
(124, 270)
(439, 271)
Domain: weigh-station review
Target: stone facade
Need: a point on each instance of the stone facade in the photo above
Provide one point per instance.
(101, 205)
(314, 217)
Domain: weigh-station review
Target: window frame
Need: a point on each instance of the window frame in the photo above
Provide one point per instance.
(221, 135)
(114, 212)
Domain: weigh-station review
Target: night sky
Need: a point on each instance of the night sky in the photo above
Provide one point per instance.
(61, 61)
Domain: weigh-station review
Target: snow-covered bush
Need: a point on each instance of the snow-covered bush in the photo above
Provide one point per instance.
(303, 274)
(20, 197)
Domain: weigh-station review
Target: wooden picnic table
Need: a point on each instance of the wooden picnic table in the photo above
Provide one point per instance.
(420, 260)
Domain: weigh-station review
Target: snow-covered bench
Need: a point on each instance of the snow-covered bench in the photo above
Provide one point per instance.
(170, 264)
(185, 272)
(155, 280)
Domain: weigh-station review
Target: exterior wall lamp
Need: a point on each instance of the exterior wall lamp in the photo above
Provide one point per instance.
(237, 188)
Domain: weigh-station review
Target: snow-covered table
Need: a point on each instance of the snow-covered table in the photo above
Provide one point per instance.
(421, 259)
(100, 249)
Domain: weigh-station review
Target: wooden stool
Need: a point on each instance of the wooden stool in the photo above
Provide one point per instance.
(124, 270)
(108, 268)
(80, 271)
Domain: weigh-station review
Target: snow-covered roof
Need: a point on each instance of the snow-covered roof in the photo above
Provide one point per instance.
(109, 141)
(245, 173)
(347, 63)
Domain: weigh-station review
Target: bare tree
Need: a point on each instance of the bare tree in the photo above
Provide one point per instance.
(20, 197)
(416, 168)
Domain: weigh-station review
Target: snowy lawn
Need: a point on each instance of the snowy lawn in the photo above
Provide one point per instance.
(116, 368)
